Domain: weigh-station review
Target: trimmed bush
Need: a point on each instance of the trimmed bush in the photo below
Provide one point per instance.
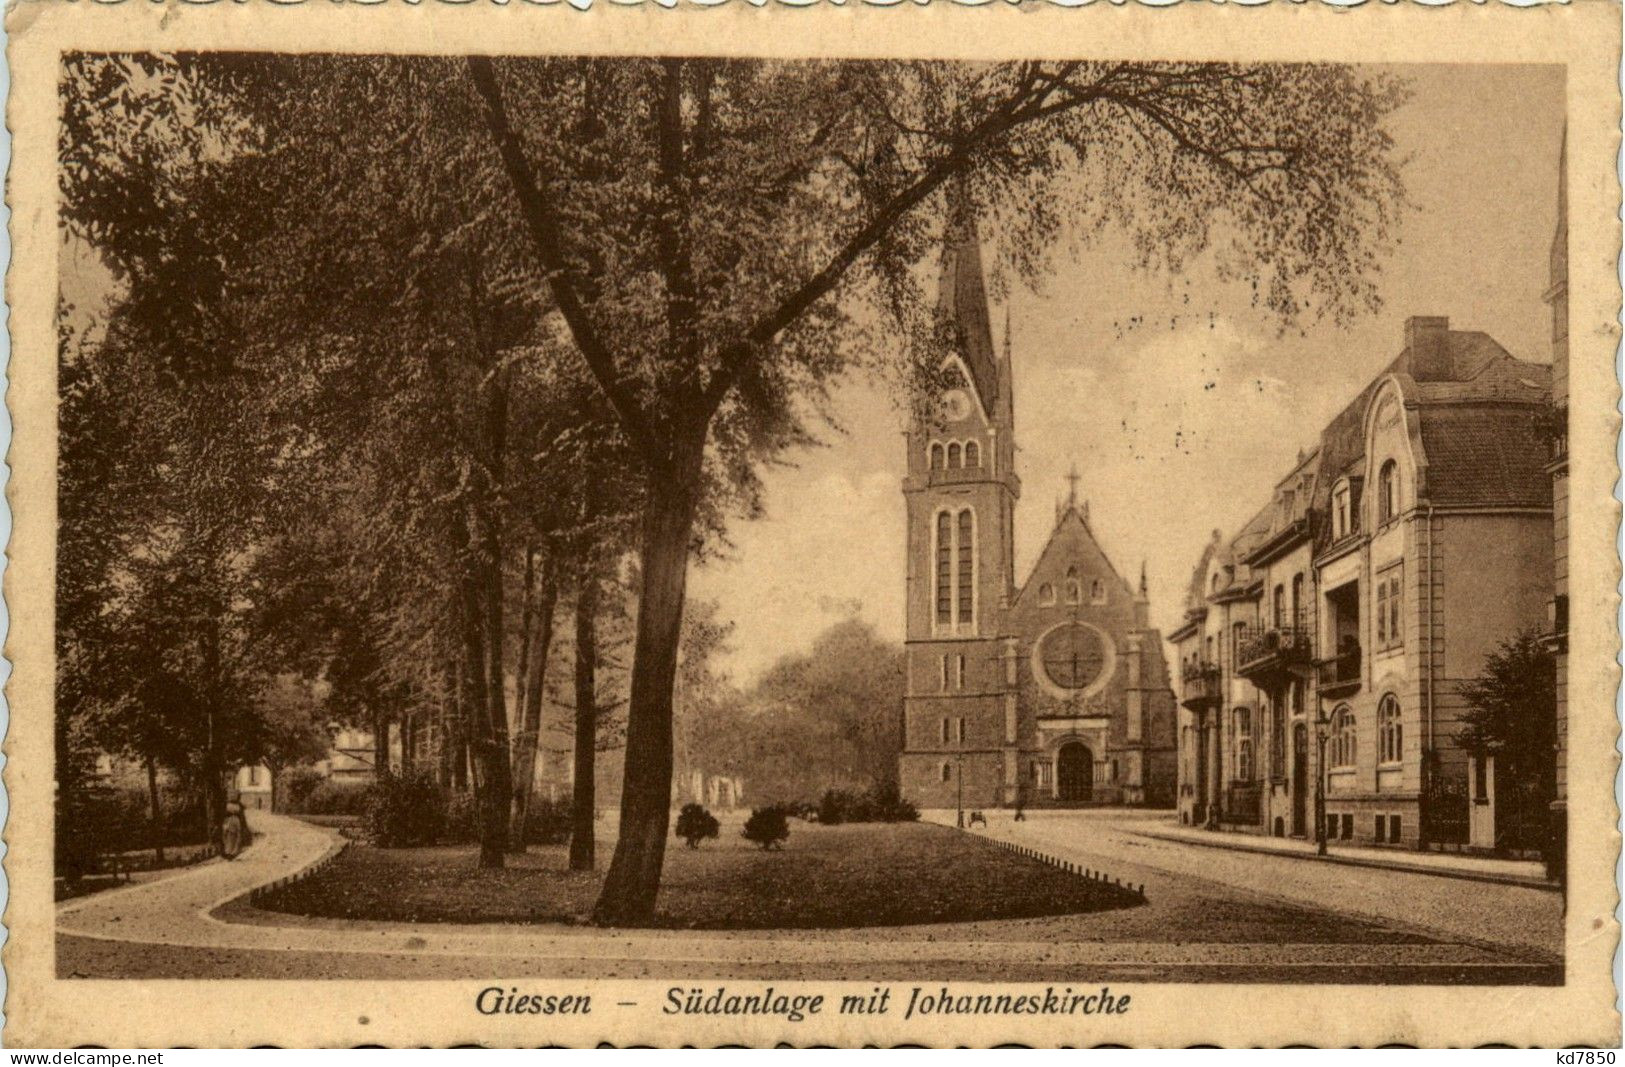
(548, 822)
(405, 811)
(462, 821)
(294, 786)
(878, 805)
(338, 798)
(695, 824)
(767, 827)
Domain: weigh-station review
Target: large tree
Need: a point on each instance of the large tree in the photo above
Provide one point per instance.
(711, 228)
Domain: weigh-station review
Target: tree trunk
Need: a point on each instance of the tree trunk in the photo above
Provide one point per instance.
(630, 888)
(157, 812)
(583, 846)
(380, 744)
(530, 723)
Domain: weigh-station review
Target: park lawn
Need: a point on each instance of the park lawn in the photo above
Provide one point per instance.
(825, 877)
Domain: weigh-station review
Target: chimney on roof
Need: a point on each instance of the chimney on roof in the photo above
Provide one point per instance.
(1427, 339)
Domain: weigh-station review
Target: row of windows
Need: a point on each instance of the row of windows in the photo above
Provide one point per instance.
(1345, 509)
(953, 729)
(1074, 590)
(1342, 750)
(953, 670)
(1342, 745)
(954, 455)
(1386, 829)
(955, 567)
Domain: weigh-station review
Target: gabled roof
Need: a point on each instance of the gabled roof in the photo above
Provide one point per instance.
(962, 300)
(1064, 530)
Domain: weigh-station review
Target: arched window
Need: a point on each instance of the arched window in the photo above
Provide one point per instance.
(1297, 600)
(936, 456)
(1097, 592)
(1046, 593)
(953, 456)
(1390, 731)
(967, 556)
(1073, 590)
(947, 771)
(973, 454)
(1387, 491)
(1278, 606)
(945, 573)
(1344, 747)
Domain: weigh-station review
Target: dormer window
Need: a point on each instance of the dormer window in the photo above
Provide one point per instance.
(1342, 510)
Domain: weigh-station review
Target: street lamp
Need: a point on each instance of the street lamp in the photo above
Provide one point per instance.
(959, 768)
(1322, 725)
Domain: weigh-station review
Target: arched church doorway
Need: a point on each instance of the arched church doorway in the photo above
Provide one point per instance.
(1075, 771)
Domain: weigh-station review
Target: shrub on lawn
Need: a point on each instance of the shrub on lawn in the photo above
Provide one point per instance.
(878, 805)
(695, 824)
(548, 822)
(767, 827)
(405, 811)
(294, 787)
(462, 821)
(337, 798)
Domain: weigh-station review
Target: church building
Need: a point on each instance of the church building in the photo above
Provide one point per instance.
(1051, 693)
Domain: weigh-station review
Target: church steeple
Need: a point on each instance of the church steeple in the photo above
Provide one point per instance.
(962, 297)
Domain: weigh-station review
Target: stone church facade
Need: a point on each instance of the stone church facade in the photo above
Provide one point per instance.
(1051, 693)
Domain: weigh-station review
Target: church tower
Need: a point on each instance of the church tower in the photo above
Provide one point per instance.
(960, 725)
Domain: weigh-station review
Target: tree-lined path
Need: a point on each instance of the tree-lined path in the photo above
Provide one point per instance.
(1206, 926)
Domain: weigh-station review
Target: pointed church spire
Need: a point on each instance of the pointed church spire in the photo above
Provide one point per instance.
(962, 298)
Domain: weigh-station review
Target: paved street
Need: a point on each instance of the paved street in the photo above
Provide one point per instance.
(1211, 915)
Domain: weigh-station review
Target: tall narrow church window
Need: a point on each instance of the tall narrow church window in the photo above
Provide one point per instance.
(1097, 592)
(967, 547)
(1073, 595)
(947, 771)
(959, 669)
(959, 729)
(973, 454)
(945, 574)
(944, 682)
(953, 456)
(945, 734)
(936, 456)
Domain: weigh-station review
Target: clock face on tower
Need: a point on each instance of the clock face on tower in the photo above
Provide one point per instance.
(955, 404)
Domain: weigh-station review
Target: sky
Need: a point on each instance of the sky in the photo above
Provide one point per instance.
(1180, 413)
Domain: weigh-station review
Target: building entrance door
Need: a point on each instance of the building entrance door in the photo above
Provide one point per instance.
(1075, 771)
(1300, 779)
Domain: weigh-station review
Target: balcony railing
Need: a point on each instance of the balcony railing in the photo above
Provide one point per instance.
(1203, 685)
(1278, 649)
(1340, 675)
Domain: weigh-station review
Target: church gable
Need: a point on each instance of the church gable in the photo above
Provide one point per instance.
(1073, 571)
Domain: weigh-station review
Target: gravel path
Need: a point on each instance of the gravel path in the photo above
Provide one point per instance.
(1195, 927)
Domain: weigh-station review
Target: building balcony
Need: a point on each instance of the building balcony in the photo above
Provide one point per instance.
(1340, 675)
(1203, 686)
(1266, 656)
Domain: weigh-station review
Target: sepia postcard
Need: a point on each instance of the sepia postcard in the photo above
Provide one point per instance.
(842, 526)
